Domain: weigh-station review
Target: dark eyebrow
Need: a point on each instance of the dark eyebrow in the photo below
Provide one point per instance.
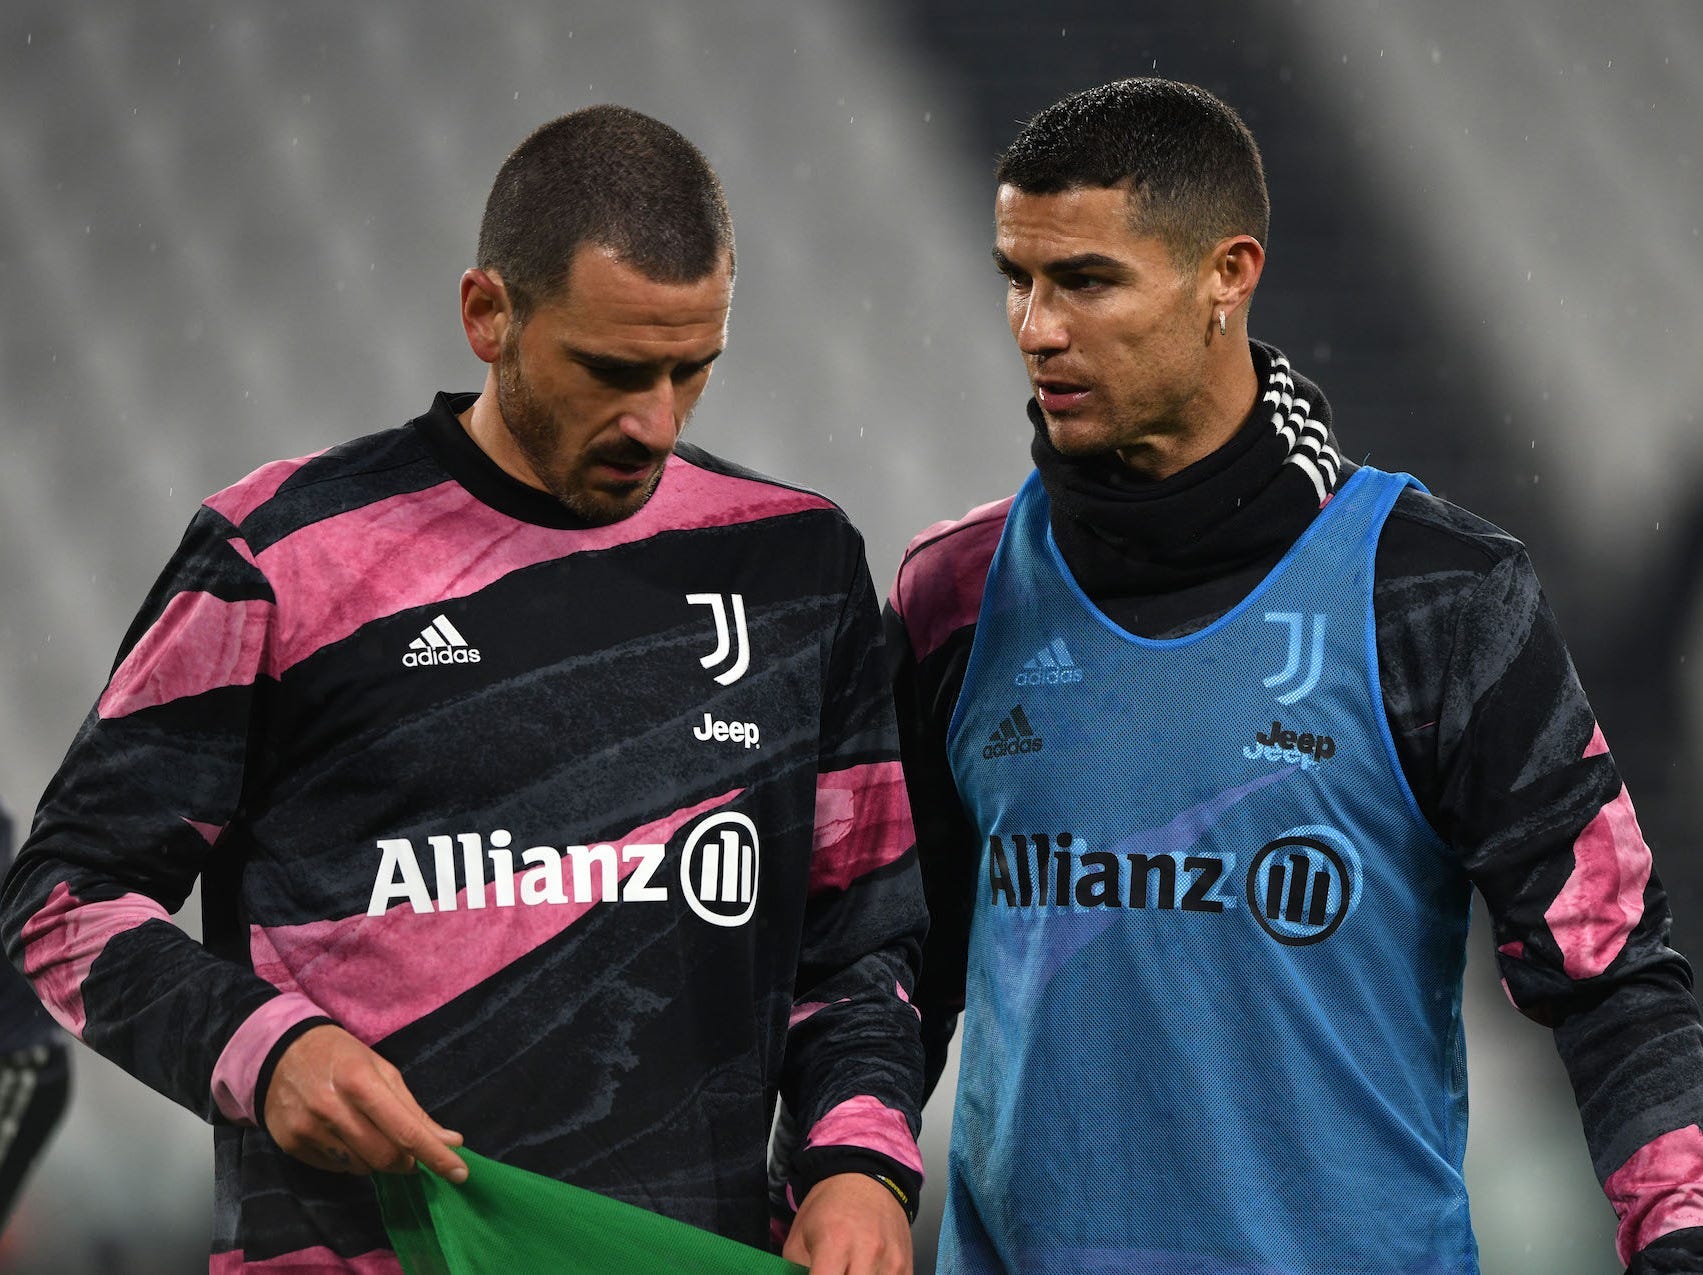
(607, 362)
(1084, 261)
(1064, 265)
(614, 363)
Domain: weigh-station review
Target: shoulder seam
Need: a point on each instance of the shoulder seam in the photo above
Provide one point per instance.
(696, 456)
(1480, 544)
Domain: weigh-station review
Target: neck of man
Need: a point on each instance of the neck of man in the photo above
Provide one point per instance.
(1212, 420)
(485, 426)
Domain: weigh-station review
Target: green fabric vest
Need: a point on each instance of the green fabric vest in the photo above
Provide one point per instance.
(507, 1221)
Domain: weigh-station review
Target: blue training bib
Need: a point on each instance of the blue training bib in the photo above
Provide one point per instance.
(1213, 1015)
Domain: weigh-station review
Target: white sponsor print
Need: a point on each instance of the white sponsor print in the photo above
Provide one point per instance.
(439, 643)
(467, 871)
(718, 869)
(724, 642)
(737, 732)
(547, 874)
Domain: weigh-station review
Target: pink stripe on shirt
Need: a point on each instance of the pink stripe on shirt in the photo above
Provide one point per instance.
(939, 586)
(867, 1123)
(308, 1261)
(66, 936)
(1603, 899)
(1658, 1190)
(863, 821)
(375, 974)
(238, 1069)
(200, 642)
(334, 576)
(803, 1011)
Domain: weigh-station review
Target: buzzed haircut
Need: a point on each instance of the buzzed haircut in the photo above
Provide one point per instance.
(607, 176)
(1190, 164)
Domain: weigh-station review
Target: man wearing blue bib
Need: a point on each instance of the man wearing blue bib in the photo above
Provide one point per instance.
(1210, 734)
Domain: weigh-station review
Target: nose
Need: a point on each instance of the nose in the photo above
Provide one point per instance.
(1037, 323)
(649, 418)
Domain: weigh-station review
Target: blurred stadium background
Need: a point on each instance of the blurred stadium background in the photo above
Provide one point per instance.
(232, 231)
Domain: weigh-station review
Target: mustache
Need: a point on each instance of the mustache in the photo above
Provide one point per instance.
(630, 456)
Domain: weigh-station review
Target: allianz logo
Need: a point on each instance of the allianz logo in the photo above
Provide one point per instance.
(468, 871)
(1302, 748)
(1299, 887)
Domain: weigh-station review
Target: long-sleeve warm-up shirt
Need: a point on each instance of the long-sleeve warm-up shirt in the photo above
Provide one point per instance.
(598, 833)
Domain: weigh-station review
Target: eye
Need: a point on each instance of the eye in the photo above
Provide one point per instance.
(690, 371)
(626, 379)
(1073, 282)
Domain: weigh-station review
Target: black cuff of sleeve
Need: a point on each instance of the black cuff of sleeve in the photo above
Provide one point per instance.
(813, 1164)
(1676, 1253)
(263, 1081)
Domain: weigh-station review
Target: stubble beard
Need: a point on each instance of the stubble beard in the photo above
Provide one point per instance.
(1116, 428)
(532, 426)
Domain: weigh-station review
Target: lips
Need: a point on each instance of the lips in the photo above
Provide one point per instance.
(627, 467)
(1056, 394)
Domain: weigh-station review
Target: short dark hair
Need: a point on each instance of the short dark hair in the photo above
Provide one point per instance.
(1191, 165)
(608, 176)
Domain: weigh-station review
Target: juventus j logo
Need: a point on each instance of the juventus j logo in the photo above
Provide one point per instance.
(742, 660)
(1292, 666)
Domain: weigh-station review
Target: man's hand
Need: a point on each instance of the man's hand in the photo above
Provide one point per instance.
(850, 1224)
(337, 1105)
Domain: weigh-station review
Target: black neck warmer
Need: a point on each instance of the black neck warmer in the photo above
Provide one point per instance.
(1242, 506)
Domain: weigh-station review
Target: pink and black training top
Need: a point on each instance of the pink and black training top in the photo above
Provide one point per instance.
(597, 833)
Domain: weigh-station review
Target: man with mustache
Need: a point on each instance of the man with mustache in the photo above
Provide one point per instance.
(1209, 734)
(418, 713)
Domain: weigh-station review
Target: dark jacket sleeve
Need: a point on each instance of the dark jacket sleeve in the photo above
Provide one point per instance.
(925, 694)
(1515, 773)
(126, 828)
(853, 1079)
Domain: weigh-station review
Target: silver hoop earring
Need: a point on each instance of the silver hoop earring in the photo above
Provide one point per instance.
(1222, 331)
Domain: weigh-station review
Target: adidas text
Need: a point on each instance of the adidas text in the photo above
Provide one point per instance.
(1047, 677)
(1012, 737)
(439, 643)
(1052, 666)
(444, 655)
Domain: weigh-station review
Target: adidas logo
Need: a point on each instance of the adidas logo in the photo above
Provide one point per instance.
(1051, 666)
(439, 643)
(1014, 735)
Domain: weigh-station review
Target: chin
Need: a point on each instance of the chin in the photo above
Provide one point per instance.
(1072, 436)
(600, 508)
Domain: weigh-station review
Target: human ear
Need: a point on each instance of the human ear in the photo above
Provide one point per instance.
(486, 314)
(1232, 274)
